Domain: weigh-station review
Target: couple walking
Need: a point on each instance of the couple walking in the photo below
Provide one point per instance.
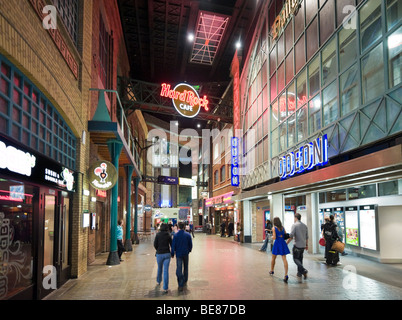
(280, 247)
(166, 248)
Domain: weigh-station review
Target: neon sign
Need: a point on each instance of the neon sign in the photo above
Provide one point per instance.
(305, 158)
(290, 8)
(185, 99)
(235, 162)
(16, 160)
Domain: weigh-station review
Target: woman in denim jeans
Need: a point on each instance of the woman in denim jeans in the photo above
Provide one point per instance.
(162, 244)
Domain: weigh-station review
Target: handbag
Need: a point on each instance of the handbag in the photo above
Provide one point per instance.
(322, 242)
(338, 246)
(286, 236)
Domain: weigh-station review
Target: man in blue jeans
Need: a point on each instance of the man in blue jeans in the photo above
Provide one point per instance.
(299, 233)
(182, 245)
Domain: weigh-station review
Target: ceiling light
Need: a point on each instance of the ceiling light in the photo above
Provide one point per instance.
(238, 45)
(190, 37)
(198, 126)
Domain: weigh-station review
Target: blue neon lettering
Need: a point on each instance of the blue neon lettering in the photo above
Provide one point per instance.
(305, 158)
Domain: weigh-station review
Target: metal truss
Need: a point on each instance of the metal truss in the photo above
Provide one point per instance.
(146, 96)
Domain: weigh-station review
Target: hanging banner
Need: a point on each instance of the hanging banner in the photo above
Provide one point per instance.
(102, 175)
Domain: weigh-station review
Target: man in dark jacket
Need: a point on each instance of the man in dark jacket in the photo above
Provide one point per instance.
(181, 246)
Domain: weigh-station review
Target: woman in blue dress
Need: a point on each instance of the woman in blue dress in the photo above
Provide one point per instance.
(280, 247)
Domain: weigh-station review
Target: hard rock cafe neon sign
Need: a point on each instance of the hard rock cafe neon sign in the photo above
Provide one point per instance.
(185, 99)
(290, 8)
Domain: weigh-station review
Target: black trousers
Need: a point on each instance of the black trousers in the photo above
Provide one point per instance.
(120, 248)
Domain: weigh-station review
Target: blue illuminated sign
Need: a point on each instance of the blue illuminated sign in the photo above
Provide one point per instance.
(305, 158)
(235, 162)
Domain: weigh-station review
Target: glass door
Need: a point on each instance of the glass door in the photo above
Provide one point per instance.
(63, 240)
(48, 236)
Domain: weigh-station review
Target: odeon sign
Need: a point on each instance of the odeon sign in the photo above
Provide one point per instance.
(185, 99)
(305, 158)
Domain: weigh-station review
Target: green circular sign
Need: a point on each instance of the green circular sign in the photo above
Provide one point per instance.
(102, 175)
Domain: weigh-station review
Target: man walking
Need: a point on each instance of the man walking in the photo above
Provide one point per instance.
(182, 245)
(299, 233)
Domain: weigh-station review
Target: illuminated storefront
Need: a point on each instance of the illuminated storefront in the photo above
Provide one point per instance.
(324, 73)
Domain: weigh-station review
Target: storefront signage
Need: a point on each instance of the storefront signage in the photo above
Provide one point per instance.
(290, 8)
(57, 38)
(102, 175)
(222, 199)
(17, 160)
(168, 180)
(185, 99)
(235, 162)
(305, 158)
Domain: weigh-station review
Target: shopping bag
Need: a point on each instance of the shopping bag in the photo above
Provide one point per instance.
(322, 242)
(338, 246)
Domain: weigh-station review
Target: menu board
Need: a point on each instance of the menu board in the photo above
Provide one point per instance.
(368, 234)
(352, 226)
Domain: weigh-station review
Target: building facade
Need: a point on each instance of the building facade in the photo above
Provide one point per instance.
(321, 119)
(51, 71)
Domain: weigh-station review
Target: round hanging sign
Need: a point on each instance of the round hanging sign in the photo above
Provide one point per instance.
(185, 99)
(102, 175)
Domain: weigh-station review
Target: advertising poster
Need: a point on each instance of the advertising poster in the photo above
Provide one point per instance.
(289, 218)
(368, 234)
(340, 221)
(352, 226)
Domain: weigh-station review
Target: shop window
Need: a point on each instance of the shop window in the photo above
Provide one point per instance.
(388, 188)
(347, 48)
(312, 38)
(16, 230)
(370, 23)
(394, 13)
(394, 56)
(372, 66)
(327, 21)
(329, 62)
(302, 123)
(335, 195)
(349, 90)
(300, 54)
(362, 192)
(314, 76)
(315, 114)
(330, 104)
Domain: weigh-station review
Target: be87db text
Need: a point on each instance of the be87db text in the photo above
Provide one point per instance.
(223, 309)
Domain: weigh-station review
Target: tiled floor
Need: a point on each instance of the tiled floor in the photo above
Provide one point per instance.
(221, 269)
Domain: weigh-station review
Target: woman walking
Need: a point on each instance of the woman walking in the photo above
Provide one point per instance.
(162, 244)
(280, 247)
